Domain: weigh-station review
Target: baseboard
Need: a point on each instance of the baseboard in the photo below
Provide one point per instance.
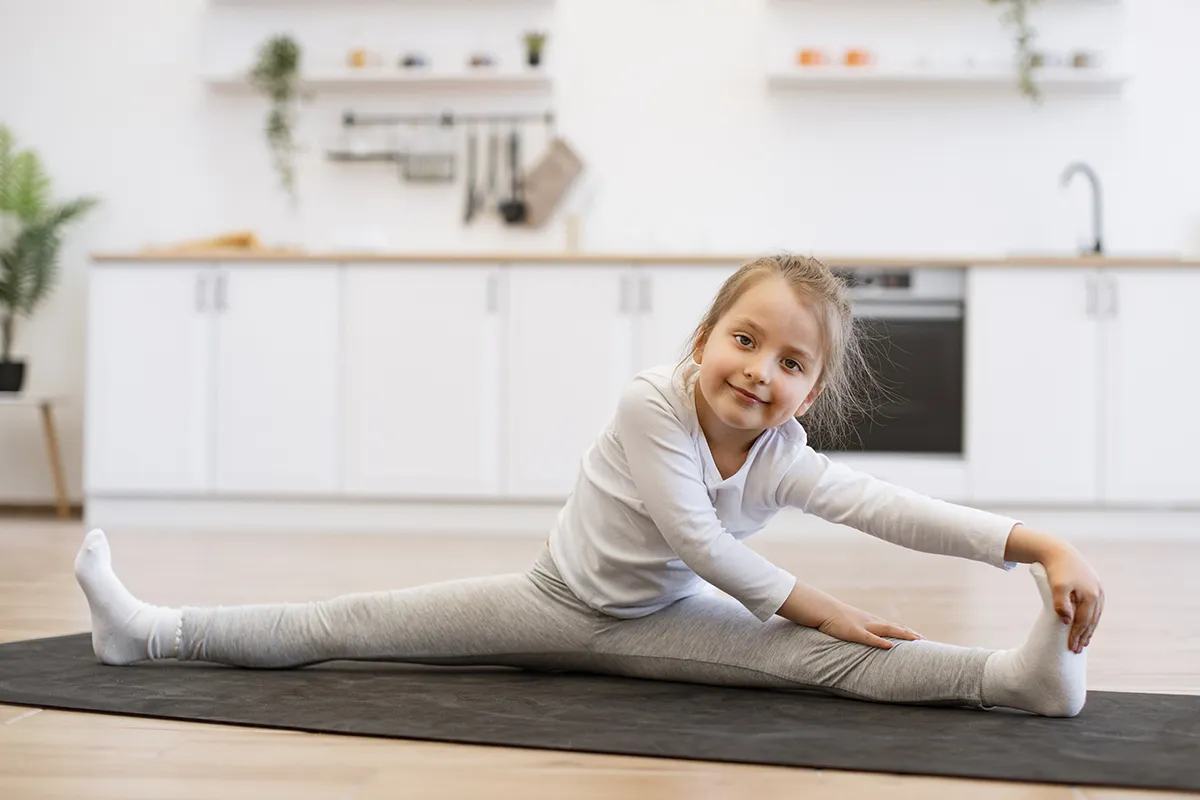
(39, 510)
(536, 518)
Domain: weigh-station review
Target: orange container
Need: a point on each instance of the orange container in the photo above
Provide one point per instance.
(811, 57)
(856, 57)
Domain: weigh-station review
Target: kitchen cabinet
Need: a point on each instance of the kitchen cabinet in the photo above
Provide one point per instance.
(209, 379)
(276, 368)
(1080, 388)
(1033, 359)
(1150, 387)
(422, 379)
(149, 380)
(671, 301)
(570, 351)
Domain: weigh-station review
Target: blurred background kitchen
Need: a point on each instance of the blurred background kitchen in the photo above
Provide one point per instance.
(301, 298)
(408, 300)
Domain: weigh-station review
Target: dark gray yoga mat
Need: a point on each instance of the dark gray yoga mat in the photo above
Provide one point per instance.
(1121, 739)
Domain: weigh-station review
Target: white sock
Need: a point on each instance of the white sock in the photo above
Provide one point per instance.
(124, 629)
(1042, 676)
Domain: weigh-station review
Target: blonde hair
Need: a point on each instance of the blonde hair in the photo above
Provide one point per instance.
(846, 384)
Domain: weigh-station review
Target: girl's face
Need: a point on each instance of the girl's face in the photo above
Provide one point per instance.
(761, 363)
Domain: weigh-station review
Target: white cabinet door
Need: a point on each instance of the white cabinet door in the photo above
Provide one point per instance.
(423, 366)
(1151, 387)
(570, 353)
(1032, 376)
(671, 303)
(149, 379)
(277, 354)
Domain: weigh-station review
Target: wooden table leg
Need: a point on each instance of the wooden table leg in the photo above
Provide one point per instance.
(60, 486)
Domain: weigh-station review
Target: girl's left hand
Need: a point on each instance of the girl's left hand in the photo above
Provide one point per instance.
(1078, 596)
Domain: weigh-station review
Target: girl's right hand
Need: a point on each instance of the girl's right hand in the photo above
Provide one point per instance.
(852, 624)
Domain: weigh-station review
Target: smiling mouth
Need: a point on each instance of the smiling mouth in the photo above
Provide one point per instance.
(746, 395)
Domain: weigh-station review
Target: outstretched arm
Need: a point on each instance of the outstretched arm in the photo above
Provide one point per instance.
(894, 514)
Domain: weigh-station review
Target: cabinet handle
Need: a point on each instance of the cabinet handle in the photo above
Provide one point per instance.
(1112, 296)
(1092, 297)
(222, 300)
(647, 299)
(201, 291)
(492, 301)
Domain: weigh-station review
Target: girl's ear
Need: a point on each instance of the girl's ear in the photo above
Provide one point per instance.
(808, 401)
(698, 347)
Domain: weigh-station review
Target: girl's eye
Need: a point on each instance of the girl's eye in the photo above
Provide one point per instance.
(792, 363)
(742, 339)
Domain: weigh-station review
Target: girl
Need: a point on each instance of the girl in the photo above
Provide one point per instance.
(697, 457)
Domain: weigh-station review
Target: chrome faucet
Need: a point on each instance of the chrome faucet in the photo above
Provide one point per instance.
(1097, 222)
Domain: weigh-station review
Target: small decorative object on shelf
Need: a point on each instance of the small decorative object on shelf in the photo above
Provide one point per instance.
(413, 61)
(359, 58)
(481, 60)
(857, 57)
(277, 76)
(1017, 17)
(811, 57)
(535, 42)
(30, 236)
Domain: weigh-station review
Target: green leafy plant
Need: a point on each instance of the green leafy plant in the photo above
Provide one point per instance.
(535, 42)
(1016, 17)
(31, 234)
(276, 74)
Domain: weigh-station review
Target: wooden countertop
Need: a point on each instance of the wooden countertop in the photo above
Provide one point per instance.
(652, 259)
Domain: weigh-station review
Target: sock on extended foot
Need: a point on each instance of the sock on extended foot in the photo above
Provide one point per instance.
(1042, 676)
(124, 629)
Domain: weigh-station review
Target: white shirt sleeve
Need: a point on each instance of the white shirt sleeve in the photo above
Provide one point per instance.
(841, 495)
(665, 467)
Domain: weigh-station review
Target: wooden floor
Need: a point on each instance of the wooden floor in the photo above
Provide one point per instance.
(1147, 641)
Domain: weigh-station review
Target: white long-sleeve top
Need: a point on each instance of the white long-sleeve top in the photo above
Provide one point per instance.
(651, 521)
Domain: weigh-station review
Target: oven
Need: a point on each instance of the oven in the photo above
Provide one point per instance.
(913, 326)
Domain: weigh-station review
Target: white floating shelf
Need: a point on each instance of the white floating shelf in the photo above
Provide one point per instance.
(343, 4)
(867, 78)
(378, 77)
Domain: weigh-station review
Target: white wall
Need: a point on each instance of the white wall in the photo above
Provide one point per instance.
(688, 153)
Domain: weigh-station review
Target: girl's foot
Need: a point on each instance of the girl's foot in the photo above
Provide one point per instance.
(124, 629)
(1042, 676)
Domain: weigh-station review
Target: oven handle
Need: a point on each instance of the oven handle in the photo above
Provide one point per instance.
(909, 309)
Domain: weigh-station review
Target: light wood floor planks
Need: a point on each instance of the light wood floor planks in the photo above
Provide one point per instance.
(1147, 641)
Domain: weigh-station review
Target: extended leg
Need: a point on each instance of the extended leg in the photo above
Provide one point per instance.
(711, 639)
(522, 619)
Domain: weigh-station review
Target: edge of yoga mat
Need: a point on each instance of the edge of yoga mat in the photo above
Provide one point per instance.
(612, 715)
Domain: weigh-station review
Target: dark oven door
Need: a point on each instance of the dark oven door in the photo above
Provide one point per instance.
(914, 349)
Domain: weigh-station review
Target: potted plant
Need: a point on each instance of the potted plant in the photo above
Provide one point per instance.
(31, 230)
(535, 41)
(276, 75)
(1017, 17)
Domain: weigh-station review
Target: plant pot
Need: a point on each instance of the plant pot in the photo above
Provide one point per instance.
(533, 59)
(12, 376)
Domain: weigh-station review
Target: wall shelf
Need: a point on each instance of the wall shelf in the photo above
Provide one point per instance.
(485, 80)
(873, 78)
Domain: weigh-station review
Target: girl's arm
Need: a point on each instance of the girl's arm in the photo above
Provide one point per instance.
(841, 495)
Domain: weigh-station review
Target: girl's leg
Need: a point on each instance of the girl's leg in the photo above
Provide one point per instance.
(524, 619)
(713, 639)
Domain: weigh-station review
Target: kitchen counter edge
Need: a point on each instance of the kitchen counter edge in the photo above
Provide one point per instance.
(647, 259)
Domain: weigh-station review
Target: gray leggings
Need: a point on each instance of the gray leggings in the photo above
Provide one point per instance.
(531, 620)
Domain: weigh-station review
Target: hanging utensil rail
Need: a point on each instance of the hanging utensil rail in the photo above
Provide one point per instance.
(446, 119)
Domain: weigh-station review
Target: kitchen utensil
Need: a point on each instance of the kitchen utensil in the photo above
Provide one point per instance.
(473, 200)
(493, 162)
(513, 209)
(548, 180)
(433, 162)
